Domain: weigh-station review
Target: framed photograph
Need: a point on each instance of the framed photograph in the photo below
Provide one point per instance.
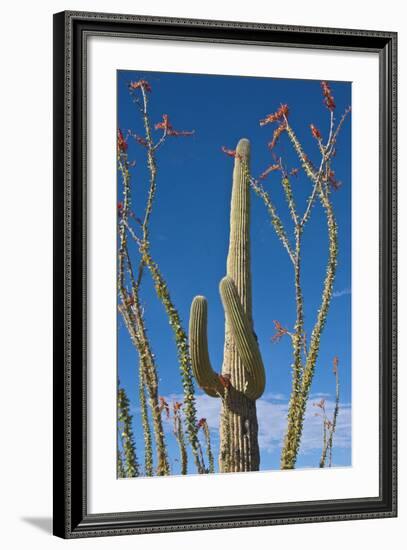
(225, 274)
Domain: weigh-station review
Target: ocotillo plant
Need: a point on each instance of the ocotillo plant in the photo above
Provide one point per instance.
(329, 426)
(203, 424)
(127, 466)
(179, 436)
(132, 312)
(130, 307)
(323, 181)
(242, 379)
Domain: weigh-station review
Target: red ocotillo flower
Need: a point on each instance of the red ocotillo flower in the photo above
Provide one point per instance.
(328, 97)
(320, 404)
(267, 171)
(166, 125)
(328, 424)
(121, 142)
(273, 117)
(335, 363)
(280, 331)
(140, 140)
(333, 182)
(229, 152)
(130, 213)
(164, 406)
(201, 423)
(224, 380)
(176, 133)
(120, 208)
(177, 406)
(140, 84)
(315, 132)
(277, 134)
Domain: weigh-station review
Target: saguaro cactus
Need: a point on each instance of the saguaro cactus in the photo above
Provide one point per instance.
(242, 379)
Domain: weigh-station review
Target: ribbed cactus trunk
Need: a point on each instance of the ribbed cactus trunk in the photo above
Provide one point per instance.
(243, 378)
(239, 412)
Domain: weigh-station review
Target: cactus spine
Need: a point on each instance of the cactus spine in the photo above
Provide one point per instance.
(243, 378)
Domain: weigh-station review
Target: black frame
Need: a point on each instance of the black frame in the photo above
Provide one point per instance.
(71, 519)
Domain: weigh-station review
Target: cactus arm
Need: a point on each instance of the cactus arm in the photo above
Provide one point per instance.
(205, 376)
(243, 335)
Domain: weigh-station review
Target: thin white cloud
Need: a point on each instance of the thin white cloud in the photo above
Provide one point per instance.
(270, 396)
(272, 419)
(319, 394)
(273, 423)
(343, 292)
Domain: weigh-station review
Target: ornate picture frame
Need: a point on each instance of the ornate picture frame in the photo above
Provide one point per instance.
(72, 515)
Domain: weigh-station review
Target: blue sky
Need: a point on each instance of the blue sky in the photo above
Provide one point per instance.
(189, 240)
